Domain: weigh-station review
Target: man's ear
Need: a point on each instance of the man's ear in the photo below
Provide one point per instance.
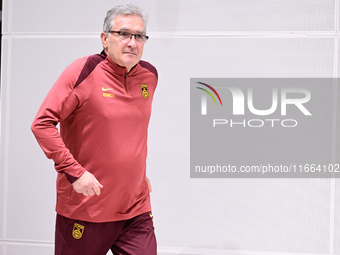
(103, 37)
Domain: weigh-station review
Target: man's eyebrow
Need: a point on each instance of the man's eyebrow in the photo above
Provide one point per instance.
(128, 30)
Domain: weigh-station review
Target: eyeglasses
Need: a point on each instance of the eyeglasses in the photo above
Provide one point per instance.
(123, 36)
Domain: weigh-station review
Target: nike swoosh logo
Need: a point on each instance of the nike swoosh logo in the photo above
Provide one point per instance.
(106, 89)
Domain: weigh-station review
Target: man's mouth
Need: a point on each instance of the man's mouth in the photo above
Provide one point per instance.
(130, 53)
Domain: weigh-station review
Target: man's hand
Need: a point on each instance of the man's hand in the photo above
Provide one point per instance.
(87, 184)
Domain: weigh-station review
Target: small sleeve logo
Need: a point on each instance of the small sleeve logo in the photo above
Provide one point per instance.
(78, 231)
(145, 92)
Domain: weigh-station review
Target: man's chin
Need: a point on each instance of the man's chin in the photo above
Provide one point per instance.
(130, 64)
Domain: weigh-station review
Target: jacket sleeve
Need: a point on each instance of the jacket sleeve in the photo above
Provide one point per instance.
(59, 103)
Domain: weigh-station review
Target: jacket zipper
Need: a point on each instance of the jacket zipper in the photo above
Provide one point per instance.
(125, 82)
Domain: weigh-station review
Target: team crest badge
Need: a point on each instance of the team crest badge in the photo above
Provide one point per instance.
(78, 231)
(145, 92)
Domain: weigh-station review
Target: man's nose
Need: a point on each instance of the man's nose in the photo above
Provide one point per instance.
(132, 41)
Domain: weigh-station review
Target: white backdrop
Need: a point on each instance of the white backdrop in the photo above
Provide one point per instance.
(188, 38)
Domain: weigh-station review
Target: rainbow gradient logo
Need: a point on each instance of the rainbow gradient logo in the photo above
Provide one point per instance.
(204, 97)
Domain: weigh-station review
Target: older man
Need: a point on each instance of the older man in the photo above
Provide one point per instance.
(103, 104)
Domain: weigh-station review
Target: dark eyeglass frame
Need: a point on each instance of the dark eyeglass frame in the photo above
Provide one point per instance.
(128, 35)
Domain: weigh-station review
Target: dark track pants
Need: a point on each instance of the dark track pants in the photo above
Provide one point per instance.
(128, 237)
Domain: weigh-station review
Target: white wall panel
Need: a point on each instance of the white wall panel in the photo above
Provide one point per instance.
(178, 59)
(265, 215)
(177, 15)
(62, 16)
(36, 249)
(3, 135)
(244, 15)
(6, 16)
(31, 178)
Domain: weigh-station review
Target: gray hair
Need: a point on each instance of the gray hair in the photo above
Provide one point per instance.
(118, 10)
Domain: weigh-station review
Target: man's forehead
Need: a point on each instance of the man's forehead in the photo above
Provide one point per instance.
(129, 23)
